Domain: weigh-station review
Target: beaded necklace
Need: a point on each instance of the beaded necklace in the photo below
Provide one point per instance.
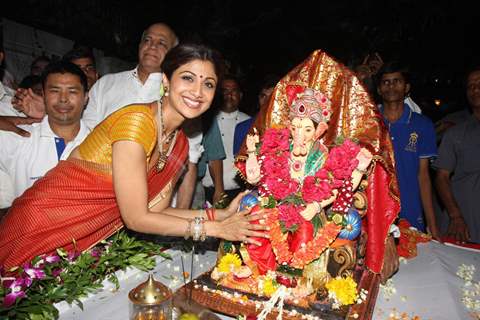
(163, 139)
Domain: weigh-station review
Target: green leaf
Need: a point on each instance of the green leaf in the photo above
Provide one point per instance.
(83, 276)
(227, 246)
(290, 270)
(292, 228)
(271, 202)
(294, 198)
(317, 224)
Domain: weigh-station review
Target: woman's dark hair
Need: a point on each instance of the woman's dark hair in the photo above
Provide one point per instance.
(187, 52)
(63, 67)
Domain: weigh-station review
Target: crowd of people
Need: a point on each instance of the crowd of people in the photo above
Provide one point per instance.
(84, 155)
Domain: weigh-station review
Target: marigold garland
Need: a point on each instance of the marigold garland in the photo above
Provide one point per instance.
(307, 253)
(314, 248)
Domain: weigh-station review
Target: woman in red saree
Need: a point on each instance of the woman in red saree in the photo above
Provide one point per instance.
(124, 173)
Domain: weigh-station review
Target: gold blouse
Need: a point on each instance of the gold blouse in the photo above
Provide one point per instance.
(135, 122)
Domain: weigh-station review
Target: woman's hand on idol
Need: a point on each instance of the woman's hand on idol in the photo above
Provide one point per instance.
(222, 214)
(239, 227)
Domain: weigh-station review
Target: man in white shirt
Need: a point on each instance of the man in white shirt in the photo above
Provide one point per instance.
(26, 159)
(218, 180)
(27, 102)
(139, 85)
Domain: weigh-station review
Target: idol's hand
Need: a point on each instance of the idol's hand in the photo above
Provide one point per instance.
(251, 142)
(252, 168)
(310, 210)
(364, 158)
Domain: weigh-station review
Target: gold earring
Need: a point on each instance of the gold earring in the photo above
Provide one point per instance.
(166, 91)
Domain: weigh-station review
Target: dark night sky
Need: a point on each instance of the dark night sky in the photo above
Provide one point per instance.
(436, 38)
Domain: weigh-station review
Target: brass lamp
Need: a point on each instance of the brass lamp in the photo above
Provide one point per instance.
(150, 300)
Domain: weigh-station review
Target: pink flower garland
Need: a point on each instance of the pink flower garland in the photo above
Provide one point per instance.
(275, 169)
(338, 168)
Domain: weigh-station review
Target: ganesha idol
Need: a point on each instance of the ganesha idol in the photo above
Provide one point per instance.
(306, 192)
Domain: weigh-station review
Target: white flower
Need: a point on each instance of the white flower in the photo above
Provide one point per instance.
(470, 289)
(388, 289)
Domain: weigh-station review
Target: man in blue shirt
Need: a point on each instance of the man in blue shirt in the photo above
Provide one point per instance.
(413, 139)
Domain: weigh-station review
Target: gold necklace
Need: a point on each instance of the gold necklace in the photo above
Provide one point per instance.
(163, 139)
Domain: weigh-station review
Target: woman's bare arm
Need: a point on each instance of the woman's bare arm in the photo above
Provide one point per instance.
(131, 190)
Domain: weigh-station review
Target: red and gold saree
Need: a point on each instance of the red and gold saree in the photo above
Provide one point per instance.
(74, 206)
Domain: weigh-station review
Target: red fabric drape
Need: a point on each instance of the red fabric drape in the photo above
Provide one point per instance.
(381, 213)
